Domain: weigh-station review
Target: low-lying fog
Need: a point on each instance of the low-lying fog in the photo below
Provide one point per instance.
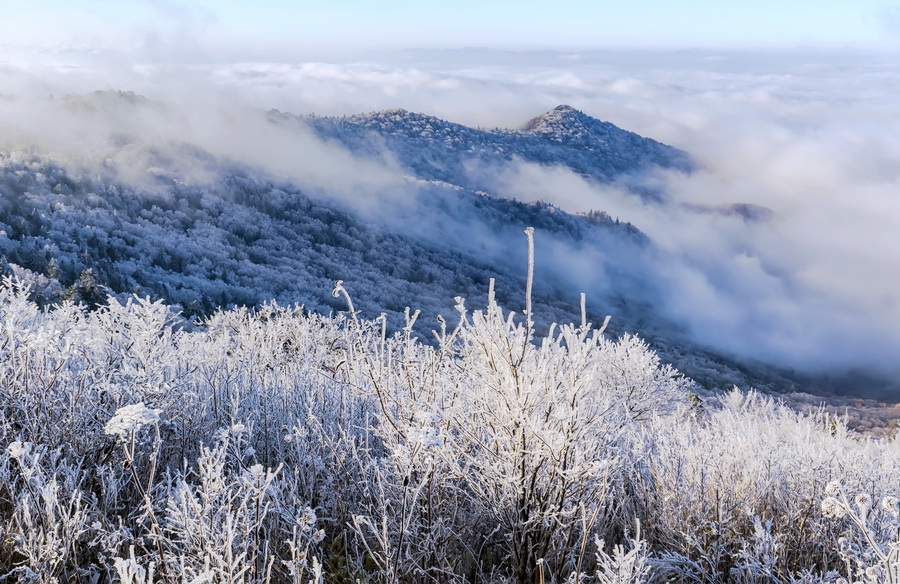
(813, 138)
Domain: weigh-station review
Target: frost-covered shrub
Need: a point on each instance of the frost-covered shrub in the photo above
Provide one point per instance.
(353, 454)
(48, 532)
(527, 434)
(871, 553)
(227, 522)
(734, 492)
(624, 567)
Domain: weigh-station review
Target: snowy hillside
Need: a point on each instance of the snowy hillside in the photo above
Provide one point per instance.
(204, 229)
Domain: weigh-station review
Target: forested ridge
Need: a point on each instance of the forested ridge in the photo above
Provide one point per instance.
(174, 221)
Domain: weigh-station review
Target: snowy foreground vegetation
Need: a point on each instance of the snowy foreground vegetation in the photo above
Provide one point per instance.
(274, 445)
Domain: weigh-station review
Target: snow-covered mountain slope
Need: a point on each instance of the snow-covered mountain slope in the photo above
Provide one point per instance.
(435, 149)
(181, 221)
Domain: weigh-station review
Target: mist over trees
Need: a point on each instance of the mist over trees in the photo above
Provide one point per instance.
(176, 220)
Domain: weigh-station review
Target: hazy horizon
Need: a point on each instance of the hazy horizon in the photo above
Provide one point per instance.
(192, 28)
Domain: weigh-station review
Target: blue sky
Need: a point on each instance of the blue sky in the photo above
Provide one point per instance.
(285, 27)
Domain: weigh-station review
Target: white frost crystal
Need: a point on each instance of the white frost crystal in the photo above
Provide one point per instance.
(131, 418)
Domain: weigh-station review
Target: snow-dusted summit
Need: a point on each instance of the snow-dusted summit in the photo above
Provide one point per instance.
(434, 149)
(568, 126)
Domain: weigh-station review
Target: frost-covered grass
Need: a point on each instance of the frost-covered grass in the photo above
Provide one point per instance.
(273, 445)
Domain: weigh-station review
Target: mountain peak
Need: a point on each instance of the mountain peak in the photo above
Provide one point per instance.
(563, 110)
(560, 111)
(565, 125)
(565, 120)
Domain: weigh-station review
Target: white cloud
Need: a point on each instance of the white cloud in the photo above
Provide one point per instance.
(813, 137)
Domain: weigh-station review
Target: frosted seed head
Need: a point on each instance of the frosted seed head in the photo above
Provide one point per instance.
(831, 507)
(863, 501)
(19, 450)
(892, 506)
(307, 519)
(130, 419)
(833, 488)
(235, 430)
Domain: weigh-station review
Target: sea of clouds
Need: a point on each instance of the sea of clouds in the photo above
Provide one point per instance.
(813, 137)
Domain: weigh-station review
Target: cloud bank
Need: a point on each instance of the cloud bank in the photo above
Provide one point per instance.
(814, 138)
